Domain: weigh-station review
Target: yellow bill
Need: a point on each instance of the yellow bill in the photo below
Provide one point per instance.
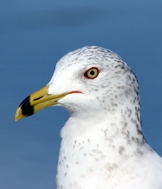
(36, 102)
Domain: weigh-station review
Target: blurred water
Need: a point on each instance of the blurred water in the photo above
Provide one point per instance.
(34, 35)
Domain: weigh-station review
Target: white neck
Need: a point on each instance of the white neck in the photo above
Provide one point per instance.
(99, 143)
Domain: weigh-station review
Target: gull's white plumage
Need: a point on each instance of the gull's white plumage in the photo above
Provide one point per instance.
(103, 145)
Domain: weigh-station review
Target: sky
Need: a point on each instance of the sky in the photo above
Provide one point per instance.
(34, 35)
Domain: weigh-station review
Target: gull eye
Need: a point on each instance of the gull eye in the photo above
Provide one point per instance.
(91, 73)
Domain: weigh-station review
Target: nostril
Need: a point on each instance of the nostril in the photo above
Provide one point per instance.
(38, 98)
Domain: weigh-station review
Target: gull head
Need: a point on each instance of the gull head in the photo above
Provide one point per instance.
(83, 81)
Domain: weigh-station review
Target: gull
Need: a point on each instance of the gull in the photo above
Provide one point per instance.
(103, 145)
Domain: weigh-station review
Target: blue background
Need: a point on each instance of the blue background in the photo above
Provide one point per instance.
(34, 35)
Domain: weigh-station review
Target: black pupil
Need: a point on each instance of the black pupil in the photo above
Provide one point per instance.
(92, 72)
